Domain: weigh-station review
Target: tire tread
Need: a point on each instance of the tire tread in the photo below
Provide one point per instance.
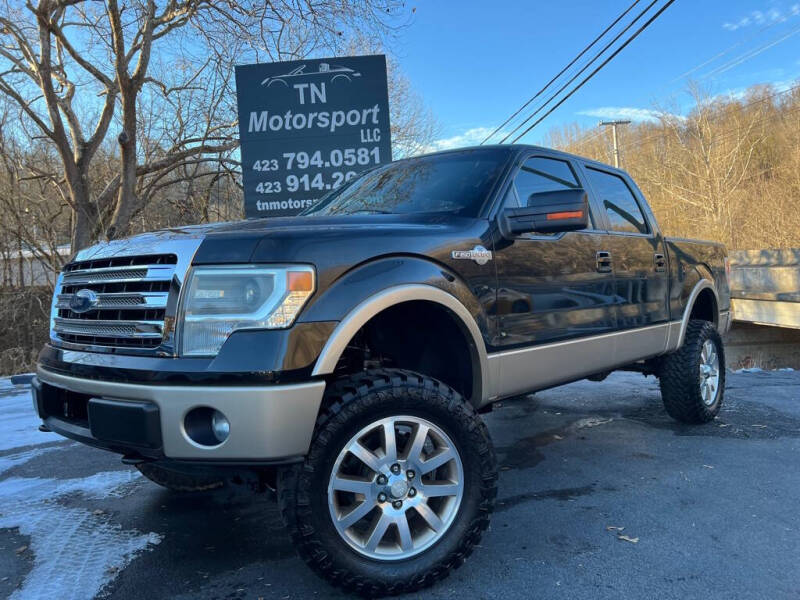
(678, 376)
(345, 399)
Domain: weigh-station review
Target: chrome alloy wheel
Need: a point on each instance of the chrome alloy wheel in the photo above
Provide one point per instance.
(709, 373)
(395, 488)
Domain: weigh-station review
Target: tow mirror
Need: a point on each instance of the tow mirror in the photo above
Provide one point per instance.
(547, 212)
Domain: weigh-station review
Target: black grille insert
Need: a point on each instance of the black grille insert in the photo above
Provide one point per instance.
(122, 261)
(122, 342)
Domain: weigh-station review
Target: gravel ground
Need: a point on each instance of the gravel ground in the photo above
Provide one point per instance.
(709, 511)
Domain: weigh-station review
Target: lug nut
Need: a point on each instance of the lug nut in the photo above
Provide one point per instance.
(382, 479)
(395, 468)
(412, 492)
(411, 474)
(397, 504)
(381, 497)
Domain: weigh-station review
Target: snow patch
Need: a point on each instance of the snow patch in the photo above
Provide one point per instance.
(18, 419)
(76, 551)
(12, 460)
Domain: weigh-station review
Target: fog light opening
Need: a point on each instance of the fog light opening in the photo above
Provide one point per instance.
(206, 426)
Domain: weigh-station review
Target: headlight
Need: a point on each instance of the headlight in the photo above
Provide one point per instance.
(220, 300)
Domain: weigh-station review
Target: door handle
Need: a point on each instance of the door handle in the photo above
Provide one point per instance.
(660, 262)
(603, 261)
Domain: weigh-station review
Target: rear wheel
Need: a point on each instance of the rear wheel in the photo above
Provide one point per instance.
(693, 377)
(397, 487)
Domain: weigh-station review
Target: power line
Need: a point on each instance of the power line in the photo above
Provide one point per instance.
(723, 53)
(578, 74)
(646, 139)
(718, 136)
(751, 54)
(560, 73)
(593, 73)
(747, 55)
(593, 136)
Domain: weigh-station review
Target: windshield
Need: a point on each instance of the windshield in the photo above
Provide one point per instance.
(455, 183)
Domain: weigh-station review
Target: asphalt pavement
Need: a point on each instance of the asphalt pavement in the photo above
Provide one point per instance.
(601, 496)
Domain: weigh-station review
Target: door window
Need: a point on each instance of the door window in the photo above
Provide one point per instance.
(541, 174)
(622, 209)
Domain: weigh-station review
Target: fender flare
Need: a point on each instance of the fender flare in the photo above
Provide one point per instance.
(371, 306)
(699, 287)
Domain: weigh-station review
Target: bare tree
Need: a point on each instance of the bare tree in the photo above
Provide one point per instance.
(157, 76)
(414, 128)
(413, 125)
(727, 170)
(703, 169)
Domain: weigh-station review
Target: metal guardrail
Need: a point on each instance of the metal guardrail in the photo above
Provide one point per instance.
(765, 286)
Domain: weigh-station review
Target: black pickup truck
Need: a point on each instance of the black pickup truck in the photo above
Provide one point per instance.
(344, 356)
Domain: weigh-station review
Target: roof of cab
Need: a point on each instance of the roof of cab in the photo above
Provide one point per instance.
(525, 148)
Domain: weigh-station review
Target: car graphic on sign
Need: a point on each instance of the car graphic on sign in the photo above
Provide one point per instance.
(332, 72)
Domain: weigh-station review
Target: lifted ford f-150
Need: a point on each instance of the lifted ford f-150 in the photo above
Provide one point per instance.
(344, 355)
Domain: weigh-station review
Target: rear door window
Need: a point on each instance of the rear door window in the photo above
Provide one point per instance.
(623, 211)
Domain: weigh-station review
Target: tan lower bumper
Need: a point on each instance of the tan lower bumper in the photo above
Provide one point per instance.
(266, 422)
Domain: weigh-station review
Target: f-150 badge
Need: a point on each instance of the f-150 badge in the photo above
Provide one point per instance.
(479, 254)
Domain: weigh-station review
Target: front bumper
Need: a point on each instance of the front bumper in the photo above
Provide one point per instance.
(268, 423)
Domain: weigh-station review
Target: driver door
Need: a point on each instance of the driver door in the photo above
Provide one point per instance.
(551, 287)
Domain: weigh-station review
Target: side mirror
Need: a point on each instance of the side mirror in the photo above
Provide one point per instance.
(547, 212)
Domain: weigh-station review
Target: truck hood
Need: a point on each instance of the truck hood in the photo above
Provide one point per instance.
(247, 234)
(310, 224)
(309, 239)
(333, 244)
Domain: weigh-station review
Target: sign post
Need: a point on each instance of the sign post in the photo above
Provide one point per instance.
(307, 127)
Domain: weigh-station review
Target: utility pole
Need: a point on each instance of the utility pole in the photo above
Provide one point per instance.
(614, 133)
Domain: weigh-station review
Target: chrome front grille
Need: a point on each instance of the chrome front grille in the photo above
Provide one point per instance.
(96, 328)
(131, 296)
(120, 300)
(100, 275)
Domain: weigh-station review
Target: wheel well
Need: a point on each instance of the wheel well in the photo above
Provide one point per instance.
(705, 307)
(420, 336)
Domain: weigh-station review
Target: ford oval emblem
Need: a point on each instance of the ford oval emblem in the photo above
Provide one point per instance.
(83, 301)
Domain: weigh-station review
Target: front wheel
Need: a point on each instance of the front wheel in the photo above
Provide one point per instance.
(397, 486)
(693, 377)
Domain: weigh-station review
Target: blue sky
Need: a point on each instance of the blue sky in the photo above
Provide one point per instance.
(474, 62)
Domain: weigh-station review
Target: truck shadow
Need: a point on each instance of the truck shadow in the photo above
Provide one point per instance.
(231, 543)
(205, 536)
